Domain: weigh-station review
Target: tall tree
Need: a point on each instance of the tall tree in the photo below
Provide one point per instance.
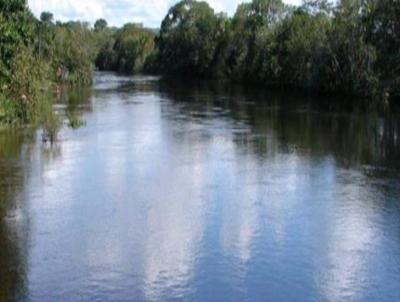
(382, 21)
(100, 24)
(188, 38)
(46, 17)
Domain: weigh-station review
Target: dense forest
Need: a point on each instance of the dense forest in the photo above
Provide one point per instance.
(348, 47)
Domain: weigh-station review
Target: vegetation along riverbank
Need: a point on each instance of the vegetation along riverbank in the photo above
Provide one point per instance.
(349, 47)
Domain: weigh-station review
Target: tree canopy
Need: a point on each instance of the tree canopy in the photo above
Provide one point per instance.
(100, 24)
(188, 38)
(349, 47)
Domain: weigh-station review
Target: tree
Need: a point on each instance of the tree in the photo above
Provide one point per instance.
(353, 58)
(382, 22)
(301, 49)
(133, 45)
(318, 7)
(75, 49)
(107, 57)
(253, 27)
(100, 25)
(20, 70)
(262, 12)
(12, 6)
(188, 38)
(46, 17)
(16, 29)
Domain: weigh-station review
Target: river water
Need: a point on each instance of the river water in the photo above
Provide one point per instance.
(196, 192)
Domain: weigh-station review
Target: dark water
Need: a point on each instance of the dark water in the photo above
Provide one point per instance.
(200, 193)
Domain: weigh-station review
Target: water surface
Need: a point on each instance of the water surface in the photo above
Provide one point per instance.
(198, 192)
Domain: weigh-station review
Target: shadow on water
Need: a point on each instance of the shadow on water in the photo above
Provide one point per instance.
(302, 124)
(14, 234)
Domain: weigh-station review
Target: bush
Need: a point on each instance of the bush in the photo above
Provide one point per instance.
(8, 111)
(74, 50)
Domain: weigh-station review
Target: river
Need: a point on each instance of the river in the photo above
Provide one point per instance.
(196, 192)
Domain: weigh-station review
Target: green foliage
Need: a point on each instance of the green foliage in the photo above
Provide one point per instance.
(260, 13)
(132, 46)
(46, 17)
(188, 38)
(351, 47)
(254, 26)
(126, 50)
(107, 57)
(30, 53)
(8, 111)
(74, 121)
(381, 19)
(12, 6)
(44, 34)
(301, 50)
(21, 73)
(16, 29)
(352, 59)
(100, 25)
(74, 49)
(28, 80)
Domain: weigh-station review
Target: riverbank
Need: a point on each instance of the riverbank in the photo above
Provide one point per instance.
(318, 48)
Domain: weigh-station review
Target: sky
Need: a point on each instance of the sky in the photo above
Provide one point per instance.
(119, 12)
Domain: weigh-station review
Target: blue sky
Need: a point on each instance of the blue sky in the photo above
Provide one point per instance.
(118, 12)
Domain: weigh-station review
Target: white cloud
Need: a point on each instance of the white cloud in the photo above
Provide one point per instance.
(118, 12)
